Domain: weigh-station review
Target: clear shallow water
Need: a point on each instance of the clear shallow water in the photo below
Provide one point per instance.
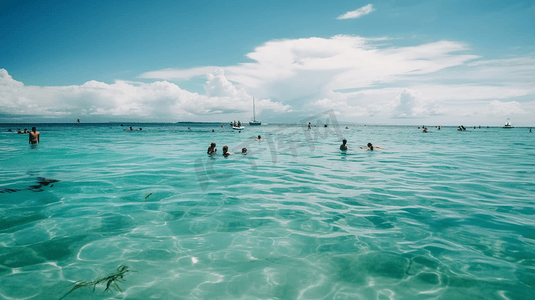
(442, 215)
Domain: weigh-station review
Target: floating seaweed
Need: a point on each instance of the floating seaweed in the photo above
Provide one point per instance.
(111, 281)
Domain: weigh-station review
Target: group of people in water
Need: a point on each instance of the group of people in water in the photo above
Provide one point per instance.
(424, 129)
(369, 147)
(33, 135)
(212, 148)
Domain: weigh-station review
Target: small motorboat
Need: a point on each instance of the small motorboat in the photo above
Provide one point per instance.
(508, 124)
(238, 128)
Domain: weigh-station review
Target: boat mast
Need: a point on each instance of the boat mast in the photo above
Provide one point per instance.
(254, 113)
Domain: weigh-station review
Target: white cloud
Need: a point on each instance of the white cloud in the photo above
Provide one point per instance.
(409, 104)
(354, 75)
(312, 67)
(357, 13)
(505, 108)
(361, 79)
(179, 74)
(397, 103)
(156, 101)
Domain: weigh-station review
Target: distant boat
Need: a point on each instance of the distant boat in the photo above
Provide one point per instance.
(254, 122)
(238, 128)
(508, 124)
(78, 121)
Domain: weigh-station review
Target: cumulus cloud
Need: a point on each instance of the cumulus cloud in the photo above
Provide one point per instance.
(160, 100)
(409, 105)
(357, 77)
(363, 77)
(312, 67)
(357, 13)
(505, 108)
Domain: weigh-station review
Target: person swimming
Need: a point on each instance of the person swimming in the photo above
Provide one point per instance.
(225, 151)
(211, 149)
(259, 139)
(244, 151)
(344, 147)
(371, 147)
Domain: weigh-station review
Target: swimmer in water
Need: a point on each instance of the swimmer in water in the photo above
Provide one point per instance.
(225, 151)
(34, 136)
(344, 147)
(371, 147)
(244, 151)
(211, 149)
(259, 139)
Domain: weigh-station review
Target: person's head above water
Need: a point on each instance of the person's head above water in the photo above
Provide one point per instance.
(244, 150)
(211, 148)
(259, 137)
(343, 147)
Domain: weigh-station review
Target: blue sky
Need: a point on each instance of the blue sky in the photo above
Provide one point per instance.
(387, 62)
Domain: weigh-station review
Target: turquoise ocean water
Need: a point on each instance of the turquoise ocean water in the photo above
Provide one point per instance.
(442, 215)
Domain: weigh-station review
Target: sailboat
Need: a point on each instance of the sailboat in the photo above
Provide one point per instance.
(254, 121)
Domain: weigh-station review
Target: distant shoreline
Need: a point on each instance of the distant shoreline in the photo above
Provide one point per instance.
(227, 124)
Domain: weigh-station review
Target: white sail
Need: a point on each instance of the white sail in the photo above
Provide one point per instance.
(254, 121)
